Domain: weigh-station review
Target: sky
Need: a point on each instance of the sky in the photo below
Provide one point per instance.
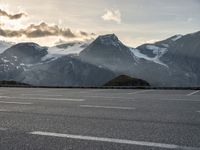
(134, 21)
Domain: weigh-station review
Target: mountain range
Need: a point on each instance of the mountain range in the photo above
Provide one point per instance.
(170, 62)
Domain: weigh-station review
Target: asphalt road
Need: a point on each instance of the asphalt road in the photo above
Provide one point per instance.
(104, 119)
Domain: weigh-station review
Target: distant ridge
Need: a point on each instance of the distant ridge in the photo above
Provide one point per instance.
(124, 80)
(12, 83)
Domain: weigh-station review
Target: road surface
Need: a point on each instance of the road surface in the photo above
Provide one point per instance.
(99, 119)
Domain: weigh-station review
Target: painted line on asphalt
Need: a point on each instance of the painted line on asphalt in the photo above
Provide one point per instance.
(113, 140)
(190, 94)
(4, 110)
(19, 103)
(107, 107)
(45, 95)
(184, 100)
(43, 98)
(109, 97)
(198, 111)
(90, 91)
(139, 92)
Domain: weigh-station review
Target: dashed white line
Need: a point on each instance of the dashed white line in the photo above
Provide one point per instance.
(89, 91)
(190, 94)
(113, 140)
(107, 107)
(43, 98)
(4, 110)
(19, 103)
(184, 100)
(198, 111)
(109, 97)
(139, 92)
(45, 95)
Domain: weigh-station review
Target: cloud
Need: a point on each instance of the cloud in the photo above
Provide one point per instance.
(10, 16)
(190, 19)
(10, 33)
(42, 30)
(112, 15)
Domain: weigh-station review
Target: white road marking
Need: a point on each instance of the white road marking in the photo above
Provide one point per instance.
(109, 97)
(107, 107)
(43, 98)
(89, 91)
(3, 129)
(113, 140)
(198, 111)
(136, 99)
(45, 95)
(190, 94)
(4, 110)
(139, 92)
(3, 96)
(19, 103)
(185, 100)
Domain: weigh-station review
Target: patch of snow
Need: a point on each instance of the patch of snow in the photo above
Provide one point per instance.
(165, 45)
(158, 51)
(187, 74)
(15, 58)
(5, 60)
(177, 37)
(137, 53)
(56, 51)
(22, 64)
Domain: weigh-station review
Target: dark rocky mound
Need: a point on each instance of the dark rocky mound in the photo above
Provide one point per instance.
(12, 83)
(124, 80)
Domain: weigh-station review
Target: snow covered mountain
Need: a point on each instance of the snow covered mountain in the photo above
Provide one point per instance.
(109, 52)
(65, 49)
(27, 53)
(171, 62)
(66, 71)
(18, 58)
(24, 62)
(181, 54)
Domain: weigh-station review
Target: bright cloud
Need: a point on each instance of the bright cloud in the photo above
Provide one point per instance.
(112, 15)
(16, 27)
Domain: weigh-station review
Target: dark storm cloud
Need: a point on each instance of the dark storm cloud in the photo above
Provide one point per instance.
(10, 33)
(11, 16)
(41, 30)
(83, 33)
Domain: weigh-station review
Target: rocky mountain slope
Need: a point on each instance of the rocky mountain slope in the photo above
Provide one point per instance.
(171, 62)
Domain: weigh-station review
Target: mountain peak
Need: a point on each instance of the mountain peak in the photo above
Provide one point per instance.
(28, 44)
(26, 52)
(109, 36)
(108, 39)
(27, 47)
